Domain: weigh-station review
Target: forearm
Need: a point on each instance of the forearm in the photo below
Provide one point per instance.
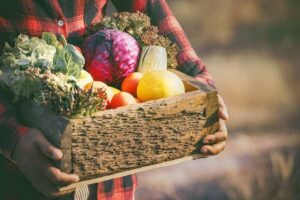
(10, 129)
(162, 17)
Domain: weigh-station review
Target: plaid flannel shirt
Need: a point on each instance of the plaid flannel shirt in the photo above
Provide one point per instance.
(71, 18)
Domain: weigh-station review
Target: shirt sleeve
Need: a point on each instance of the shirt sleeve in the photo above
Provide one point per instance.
(10, 129)
(162, 17)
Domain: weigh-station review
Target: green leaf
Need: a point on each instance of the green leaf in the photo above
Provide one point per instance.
(69, 61)
(51, 39)
(28, 52)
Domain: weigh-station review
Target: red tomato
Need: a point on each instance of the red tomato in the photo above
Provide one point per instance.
(122, 99)
(131, 82)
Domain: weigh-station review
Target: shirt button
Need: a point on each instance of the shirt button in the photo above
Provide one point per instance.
(60, 23)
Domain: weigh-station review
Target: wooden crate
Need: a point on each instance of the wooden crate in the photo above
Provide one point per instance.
(131, 139)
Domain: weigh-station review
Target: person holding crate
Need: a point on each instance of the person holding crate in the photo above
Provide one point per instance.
(26, 150)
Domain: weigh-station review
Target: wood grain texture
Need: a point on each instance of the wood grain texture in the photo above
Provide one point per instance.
(212, 105)
(133, 138)
(71, 187)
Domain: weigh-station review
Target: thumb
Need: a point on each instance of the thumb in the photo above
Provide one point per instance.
(223, 114)
(47, 148)
(223, 111)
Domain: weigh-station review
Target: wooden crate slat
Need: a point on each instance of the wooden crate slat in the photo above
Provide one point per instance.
(129, 172)
(130, 139)
(139, 135)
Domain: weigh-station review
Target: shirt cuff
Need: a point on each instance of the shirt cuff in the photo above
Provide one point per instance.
(192, 65)
(205, 78)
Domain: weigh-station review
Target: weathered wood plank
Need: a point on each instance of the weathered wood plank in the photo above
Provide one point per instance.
(117, 140)
(212, 110)
(130, 139)
(125, 173)
(212, 105)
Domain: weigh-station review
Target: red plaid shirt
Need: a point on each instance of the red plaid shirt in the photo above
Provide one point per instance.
(71, 18)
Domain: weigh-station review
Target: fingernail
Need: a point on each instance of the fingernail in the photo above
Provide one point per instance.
(226, 116)
(76, 178)
(204, 151)
(205, 141)
(57, 154)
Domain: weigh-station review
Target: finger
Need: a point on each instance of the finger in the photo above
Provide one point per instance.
(60, 178)
(215, 149)
(223, 111)
(222, 126)
(223, 114)
(215, 138)
(47, 148)
(219, 136)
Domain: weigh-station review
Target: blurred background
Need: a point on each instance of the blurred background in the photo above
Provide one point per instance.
(252, 50)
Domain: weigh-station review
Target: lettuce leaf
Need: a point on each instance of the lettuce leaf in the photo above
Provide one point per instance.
(46, 53)
(33, 52)
(69, 61)
(51, 39)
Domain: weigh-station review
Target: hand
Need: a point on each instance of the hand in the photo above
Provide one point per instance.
(34, 156)
(215, 143)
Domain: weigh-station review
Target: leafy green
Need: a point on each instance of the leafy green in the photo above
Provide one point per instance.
(58, 92)
(26, 83)
(28, 52)
(69, 61)
(45, 70)
(45, 53)
(51, 39)
(61, 94)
